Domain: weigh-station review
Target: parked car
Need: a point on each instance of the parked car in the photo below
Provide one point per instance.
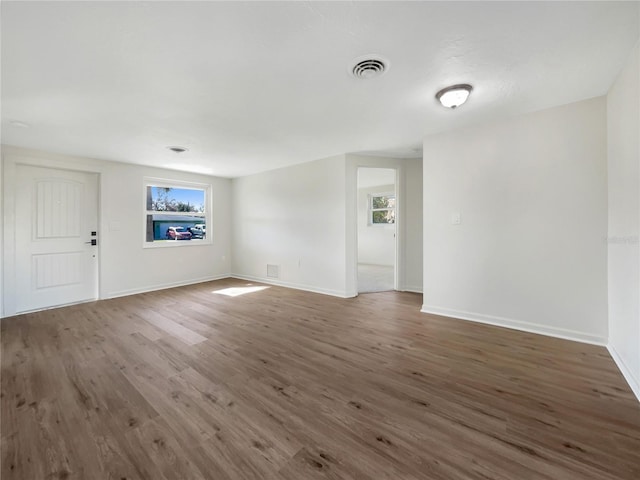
(196, 232)
(178, 233)
(202, 227)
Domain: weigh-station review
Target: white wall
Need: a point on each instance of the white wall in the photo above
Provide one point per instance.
(293, 217)
(623, 115)
(530, 251)
(125, 266)
(304, 219)
(376, 243)
(408, 213)
(2, 263)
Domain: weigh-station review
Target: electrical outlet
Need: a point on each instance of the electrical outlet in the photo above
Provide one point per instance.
(455, 219)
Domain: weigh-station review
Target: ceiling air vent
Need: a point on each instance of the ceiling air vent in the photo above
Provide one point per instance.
(369, 66)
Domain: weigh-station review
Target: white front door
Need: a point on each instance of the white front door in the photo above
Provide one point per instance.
(56, 219)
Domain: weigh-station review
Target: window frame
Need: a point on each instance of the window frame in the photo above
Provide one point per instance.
(371, 210)
(178, 184)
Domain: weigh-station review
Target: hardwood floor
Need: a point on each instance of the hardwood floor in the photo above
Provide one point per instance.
(283, 384)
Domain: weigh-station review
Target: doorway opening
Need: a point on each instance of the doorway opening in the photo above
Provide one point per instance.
(377, 223)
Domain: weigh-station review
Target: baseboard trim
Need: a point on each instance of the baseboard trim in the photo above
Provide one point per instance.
(52, 307)
(411, 288)
(163, 286)
(633, 382)
(517, 325)
(295, 286)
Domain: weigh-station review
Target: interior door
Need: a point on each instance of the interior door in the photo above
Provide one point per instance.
(56, 221)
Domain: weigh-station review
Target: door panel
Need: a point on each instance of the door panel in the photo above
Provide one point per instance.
(59, 208)
(58, 269)
(56, 212)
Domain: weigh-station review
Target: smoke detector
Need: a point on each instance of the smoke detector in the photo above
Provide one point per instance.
(177, 149)
(369, 66)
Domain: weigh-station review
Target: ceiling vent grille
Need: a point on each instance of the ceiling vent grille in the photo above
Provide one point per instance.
(369, 66)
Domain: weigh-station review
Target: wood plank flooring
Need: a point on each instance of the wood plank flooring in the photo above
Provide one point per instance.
(282, 384)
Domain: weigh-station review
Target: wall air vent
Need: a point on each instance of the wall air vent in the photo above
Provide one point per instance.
(369, 66)
(273, 271)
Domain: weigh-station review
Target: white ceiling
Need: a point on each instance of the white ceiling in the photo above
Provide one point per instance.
(249, 87)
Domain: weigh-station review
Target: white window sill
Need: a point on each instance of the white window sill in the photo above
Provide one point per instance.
(176, 243)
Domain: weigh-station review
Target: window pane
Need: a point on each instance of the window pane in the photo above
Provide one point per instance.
(170, 199)
(383, 216)
(383, 201)
(176, 215)
(176, 227)
(380, 202)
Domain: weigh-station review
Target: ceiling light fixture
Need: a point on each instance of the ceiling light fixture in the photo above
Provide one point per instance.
(178, 149)
(454, 96)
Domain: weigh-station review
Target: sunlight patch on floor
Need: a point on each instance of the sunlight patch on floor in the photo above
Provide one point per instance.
(237, 291)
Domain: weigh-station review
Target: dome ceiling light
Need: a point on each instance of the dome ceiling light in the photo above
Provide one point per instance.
(454, 96)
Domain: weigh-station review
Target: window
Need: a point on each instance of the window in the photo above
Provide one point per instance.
(176, 213)
(382, 209)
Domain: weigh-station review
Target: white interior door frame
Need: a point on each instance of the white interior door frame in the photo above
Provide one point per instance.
(10, 162)
(398, 237)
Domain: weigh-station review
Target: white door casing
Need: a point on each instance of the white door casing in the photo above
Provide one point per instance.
(376, 245)
(56, 214)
